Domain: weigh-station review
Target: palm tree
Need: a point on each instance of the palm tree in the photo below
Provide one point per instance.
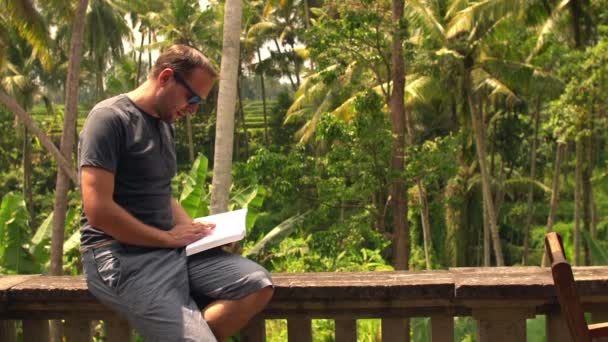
(19, 81)
(398, 117)
(68, 137)
(225, 107)
(105, 30)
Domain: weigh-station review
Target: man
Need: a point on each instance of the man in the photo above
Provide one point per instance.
(133, 231)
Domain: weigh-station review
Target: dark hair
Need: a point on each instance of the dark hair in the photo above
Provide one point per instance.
(182, 59)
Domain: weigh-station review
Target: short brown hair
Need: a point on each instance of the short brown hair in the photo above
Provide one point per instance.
(182, 59)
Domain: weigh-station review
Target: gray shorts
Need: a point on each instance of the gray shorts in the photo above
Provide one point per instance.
(161, 291)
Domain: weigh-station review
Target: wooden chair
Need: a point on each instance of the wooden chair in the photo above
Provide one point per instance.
(567, 294)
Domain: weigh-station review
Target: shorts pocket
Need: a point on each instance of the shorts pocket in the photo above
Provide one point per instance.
(108, 266)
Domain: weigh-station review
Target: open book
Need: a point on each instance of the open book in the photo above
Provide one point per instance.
(229, 227)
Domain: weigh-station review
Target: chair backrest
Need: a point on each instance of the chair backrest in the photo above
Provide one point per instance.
(565, 288)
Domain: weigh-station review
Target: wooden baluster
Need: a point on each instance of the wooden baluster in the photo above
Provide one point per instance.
(299, 330)
(442, 329)
(8, 332)
(35, 330)
(118, 330)
(497, 324)
(395, 329)
(255, 331)
(600, 316)
(557, 328)
(346, 330)
(78, 330)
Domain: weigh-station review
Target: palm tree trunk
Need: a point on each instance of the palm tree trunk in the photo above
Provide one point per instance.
(554, 193)
(226, 106)
(530, 203)
(586, 188)
(242, 117)
(426, 225)
(190, 139)
(141, 52)
(27, 177)
(479, 132)
(25, 118)
(577, 202)
(397, 108)
(67, 139)
(263, 100)
(401, 244)
(487, 256)
(285, 69)
(149, 49)
(296, 65)
(99, 78)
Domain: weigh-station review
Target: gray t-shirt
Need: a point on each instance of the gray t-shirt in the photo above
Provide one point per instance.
(139, 150)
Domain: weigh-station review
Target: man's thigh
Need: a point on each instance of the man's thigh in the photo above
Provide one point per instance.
(217, 274)
(149, 287)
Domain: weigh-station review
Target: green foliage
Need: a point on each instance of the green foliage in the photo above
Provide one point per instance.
(14, 236)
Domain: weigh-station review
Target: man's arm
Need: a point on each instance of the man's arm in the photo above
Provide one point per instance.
(180, 216)
(97, 186)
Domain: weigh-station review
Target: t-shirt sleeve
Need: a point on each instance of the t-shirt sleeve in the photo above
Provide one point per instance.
(101, 139)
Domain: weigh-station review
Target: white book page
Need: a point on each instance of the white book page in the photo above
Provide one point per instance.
(229, 227)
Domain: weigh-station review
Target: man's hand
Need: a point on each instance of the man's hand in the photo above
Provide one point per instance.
(183, 234)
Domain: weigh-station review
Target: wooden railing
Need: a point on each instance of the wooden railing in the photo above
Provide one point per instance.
(500, 300)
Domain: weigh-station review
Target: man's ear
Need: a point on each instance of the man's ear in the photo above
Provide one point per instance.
(164, 76)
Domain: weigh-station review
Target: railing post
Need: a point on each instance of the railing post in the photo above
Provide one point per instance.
(255, 331)
(35, 330)
(495, 324)
(8, 332)
(442, 329)
(299, 330)
(557, 328)
(346, 330)
(118, 330)
(78, 330)
(395, 329)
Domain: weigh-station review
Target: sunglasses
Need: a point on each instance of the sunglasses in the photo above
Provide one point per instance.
(194, 98)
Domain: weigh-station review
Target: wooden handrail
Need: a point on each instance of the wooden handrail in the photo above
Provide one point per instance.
(492, 296)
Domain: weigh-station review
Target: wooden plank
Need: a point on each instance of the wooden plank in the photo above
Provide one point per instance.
(35, 330)
(255, 331)
(557, 328)
(117, 330)
(503, 283)
(442, 329)
(346, 330)
(395, 329)
(364, 285)
(78, 330)
(299, 330)
(8, 331)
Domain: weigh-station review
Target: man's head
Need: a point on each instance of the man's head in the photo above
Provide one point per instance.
(183, 77)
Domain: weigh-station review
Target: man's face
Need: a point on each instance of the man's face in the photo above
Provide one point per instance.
(182, 94)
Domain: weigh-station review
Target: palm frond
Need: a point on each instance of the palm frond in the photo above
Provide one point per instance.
(282, 229)
(455, 7)
(482, 79)
(260, 30)
(30, 25)
(548, 27)
(482, 11)
(522, 184)
(422, 15)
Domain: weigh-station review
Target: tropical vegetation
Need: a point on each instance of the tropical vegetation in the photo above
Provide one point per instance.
(365, 135)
